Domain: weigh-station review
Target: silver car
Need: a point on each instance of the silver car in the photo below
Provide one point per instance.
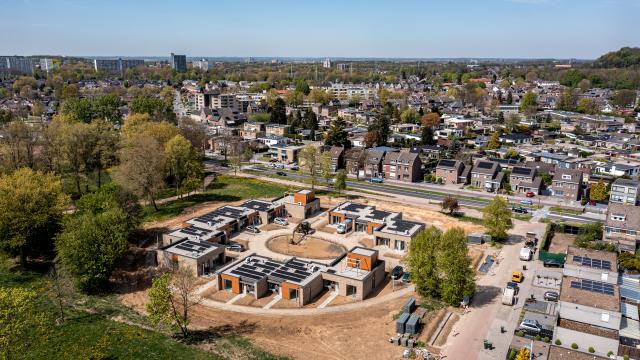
(281, 221)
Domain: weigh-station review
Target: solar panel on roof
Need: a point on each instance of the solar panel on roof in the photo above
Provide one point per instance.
(594, 263)
(485, 165)
(521, 171)
(246, 274)
(593, 286)
(447, 162)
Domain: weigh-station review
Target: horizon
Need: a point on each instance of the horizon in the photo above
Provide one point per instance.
(464, 29)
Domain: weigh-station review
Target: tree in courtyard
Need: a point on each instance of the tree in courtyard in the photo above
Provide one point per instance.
(497, 218)
(422, 261)
(171, 297)
(20, 321)
(598, 191)
(494, 141)
(454, 265)
(450, 204)
(31, 208)
(341, 181)
(309, 159)
(141, 167)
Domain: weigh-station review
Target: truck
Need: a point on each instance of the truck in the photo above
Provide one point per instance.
(526, 254)
(508, 295)
(344, 227)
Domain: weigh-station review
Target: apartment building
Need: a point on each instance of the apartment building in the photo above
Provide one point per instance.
(178, 62)
(624, 191)
(567, 184)
(16, 65)
(116, 65)
(285, 153)
(253, 130)
(278, 129)
(449, 171)
(486, 175)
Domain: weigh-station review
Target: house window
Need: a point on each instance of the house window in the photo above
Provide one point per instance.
(566, 177)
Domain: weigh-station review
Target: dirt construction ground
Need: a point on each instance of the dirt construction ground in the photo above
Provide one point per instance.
(322, 336)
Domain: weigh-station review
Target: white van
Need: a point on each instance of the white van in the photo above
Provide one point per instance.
(344, 227)
(507, 296)
(526, 254)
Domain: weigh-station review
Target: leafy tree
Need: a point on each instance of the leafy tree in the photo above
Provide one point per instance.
(567, 101)
(427, 136)
(309, 159)
(341, 181)
(598, 191)
(183, 163)
(31, 204)
(5, 116)
(90, 245)
(278, 112)
(311, 122)
(20, 321)
(157, 108)
(587, 106)
(523, 354)
(422, 260)
(173, 307)
(381, 128)
(450, 204)
(410, 116)
(455, 266)
(303, 87)
(494, 141)
(337, 134)
(326, 166)
(320, 96)
(624, 98)
(497, 218)
(512, 154)
(528, 102)
(430, 119)
(112, 196)
(195, 132)
(141, 168)
(509, 97)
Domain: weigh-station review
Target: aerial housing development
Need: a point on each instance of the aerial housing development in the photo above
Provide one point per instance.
(288, 192)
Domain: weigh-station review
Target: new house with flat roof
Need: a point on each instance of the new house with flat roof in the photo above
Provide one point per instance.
(199, 256)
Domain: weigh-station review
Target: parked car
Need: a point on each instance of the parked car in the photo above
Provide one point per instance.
(281, 221)
(530, 326)
(252, 229)
(551, 296)
(281, 173)
(508, 295)
(519, 209)
(376, 180)
(294, 167)
(526, 254)
(397, 272)
(530, 194)
(517, 276)
(526, 202)
(406, 277)
(235, 247)
(553, 263)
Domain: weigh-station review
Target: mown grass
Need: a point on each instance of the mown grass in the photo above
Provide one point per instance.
(223, 189)
(561, 210)
(89, 332)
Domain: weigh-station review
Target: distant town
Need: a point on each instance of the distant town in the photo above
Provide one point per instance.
(320, 208)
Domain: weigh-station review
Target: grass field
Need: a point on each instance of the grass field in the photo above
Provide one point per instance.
(224, 188)
(89, 333)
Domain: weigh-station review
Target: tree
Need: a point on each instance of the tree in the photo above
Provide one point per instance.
(31, 204)
(309, 162)
(409, 116)
(157, 108)
(529, 102)
(341, 181)
(512, 123)
(311, 122)
(278, 112)
(20, 321)
(512, 154)
(320, 96)
(141, 168)
(494, 141)
(523, 354)
(598, 191)
(195, 132)
(427, 136)
(587, 106)
(624, 98)
(90, 245)
(60, 289)
(20, 142)
(326, 167)
(337, 135)
(112, 196)
(172, 308)
(182, 162)
(567, 100)
(303, 87)
(584, 85)
(450, 204)
(455, 266)
(509, 97)
(430, 119)
(422, 261)
(381, 128)
(497, 218)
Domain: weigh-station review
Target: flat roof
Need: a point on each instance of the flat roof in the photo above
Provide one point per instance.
(560, 353)
(593, 259)
(593, 298)
(363, 251)
(254, 268)
(402, 227)
(192, 248)
(258, 205)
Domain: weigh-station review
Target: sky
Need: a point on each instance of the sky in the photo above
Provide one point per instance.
(582, 29)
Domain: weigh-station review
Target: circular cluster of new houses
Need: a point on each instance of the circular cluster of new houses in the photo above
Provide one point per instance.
(296, 250)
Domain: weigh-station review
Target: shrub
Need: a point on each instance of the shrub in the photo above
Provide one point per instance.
(520, 333)
(626, 357)
(591, 349)
(546, 339)
(538, 338)
(574, 346)
(609, 353)
(512, 354)
(558, 342)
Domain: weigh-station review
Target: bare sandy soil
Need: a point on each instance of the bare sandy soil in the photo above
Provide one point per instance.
(310, 247)
(560, 242)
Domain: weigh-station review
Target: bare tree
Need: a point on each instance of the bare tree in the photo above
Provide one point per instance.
(60, 286)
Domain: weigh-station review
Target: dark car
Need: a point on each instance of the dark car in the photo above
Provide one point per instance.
(513, 285)
(281, 173)
(397, 272)
(553, 263)
(551, 296)
(406, 277)
(235, 247)
(519, 209)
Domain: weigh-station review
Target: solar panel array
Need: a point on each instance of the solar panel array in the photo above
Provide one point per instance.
(294, 270)
(194, 230)
(521, 171)
(485, 165)
(194, 246)
(594, 263)
(449, 163)
(593, 286)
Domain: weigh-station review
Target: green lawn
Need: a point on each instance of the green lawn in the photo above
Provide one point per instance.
(92, 335)
(224, 188)
(561, 210)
